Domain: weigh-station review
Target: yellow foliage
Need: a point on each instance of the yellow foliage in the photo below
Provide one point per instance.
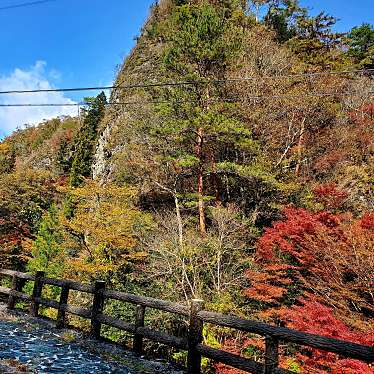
(4, 147)
(106, 225)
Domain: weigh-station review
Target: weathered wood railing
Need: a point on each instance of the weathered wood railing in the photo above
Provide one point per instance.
(197, 317)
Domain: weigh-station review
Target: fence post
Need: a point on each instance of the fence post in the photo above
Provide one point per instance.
(64, 296)
(36, 293)
(97, 308)
(16, 286)
(195, 336)
(139, 322)
(271, 354)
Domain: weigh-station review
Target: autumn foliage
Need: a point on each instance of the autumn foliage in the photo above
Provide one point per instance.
(255, 194)
(315, 318)
(328, 259)
(326, 254)
(311, 317)
(330, 196)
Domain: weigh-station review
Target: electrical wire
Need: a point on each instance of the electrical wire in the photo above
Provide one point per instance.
(225, 100)
(25, 4)
(184, 83)
(39, 105)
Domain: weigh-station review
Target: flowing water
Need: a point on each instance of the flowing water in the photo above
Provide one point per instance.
(43, 352)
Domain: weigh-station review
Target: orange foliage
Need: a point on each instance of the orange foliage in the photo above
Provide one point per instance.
(330, 196)
(331, 256)
(315, 318)
(269, 283)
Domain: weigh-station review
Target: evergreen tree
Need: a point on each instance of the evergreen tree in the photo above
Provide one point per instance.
(316, 42)
(361, 45)
(312, 38)
(86, 140)
(282, 17)
(47, 252)
(202, 40)
(62, 160)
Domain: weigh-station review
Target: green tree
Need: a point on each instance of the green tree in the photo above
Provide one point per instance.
(360, 41)
(282, 17)
(310, 37)
(47, 250)
(202, 41)
(62, 158)
(86, 140)
(316, 42)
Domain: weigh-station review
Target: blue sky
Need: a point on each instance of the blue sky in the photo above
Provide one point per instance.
(350, 12)
(66, 43)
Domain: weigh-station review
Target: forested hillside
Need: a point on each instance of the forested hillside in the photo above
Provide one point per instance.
(234, 162)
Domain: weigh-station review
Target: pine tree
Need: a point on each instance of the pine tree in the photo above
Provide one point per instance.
(202, 40)
(86, 140)
(316, 42)
(282, 18)
(361, 45)
(310, 37)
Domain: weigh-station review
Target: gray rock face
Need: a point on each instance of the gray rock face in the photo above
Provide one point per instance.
(100, 165)
(122, 122)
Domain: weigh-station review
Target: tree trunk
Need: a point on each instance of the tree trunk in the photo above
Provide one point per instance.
(200, 181)
(215, 180)
(179, 220)
(300, 147)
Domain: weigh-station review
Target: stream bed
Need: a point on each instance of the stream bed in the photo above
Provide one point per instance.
(44, 352)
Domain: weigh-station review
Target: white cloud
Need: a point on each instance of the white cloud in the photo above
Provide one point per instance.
(37, 77)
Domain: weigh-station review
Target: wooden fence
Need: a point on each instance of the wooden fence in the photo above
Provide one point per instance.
(196, 314)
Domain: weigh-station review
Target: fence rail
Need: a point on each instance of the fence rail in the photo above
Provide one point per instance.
(196, 314)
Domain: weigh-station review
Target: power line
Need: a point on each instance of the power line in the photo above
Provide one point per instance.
(77, 104)
(293, 96)
(25, 4)
(227, 100)
(184, 83)
(39, 105)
